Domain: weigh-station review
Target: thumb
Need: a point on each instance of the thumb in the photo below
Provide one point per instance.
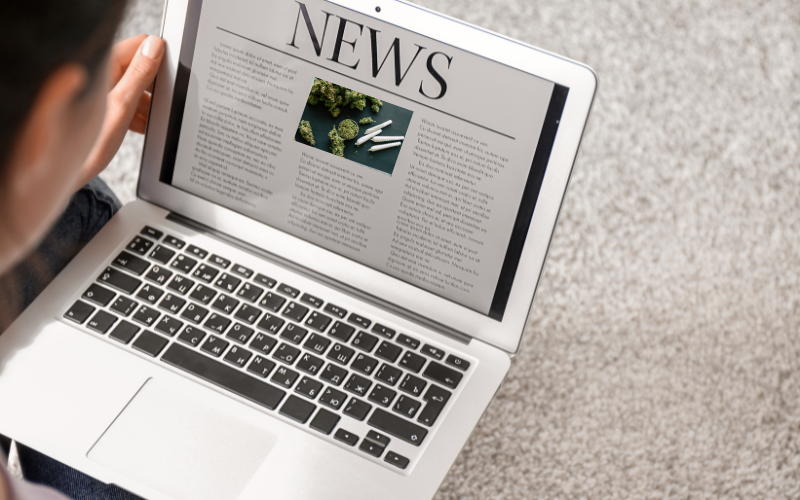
(137, 78)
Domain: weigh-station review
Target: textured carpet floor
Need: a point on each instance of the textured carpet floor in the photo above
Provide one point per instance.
(662, 359)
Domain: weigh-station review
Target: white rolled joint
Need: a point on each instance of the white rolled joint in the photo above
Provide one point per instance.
(387, 138)
(385, 146)
(378, 127)
(367, 137)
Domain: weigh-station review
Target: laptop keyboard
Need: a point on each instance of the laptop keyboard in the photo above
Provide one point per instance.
(292, 353)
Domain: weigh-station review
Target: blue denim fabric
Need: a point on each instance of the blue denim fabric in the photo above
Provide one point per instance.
(88, 211)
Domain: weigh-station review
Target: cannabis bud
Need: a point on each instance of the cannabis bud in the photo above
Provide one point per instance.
(336, 98)
(337, 143)
(306, 132)
(366, 121)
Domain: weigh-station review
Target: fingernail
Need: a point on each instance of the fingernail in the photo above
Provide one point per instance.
(152, 47)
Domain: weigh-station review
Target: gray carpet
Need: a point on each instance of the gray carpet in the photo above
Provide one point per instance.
(662, 358)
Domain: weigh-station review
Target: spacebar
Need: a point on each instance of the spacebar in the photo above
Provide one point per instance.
(223, 376)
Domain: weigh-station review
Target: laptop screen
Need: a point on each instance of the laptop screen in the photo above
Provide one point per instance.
(410, 156)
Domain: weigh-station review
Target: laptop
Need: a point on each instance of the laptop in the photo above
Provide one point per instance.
(342, 217)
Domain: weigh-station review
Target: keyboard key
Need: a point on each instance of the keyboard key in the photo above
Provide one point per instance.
(341, 354)
(288, 290)
(130, 263)
(295, 311)
(227, 282)
(101, 322)
(183, 264)
(413, 385)
(317, 343)
(202, 293)
(219, 261)
(286, 353)
(124, 332)
(388, 351)
(433, 352)
(383, 331)
(272, 302)
(436, 397)
(382, 395)
(238, 356)
(333, 398)
(359, 320)
(240, 333)
(153, 233)
(214, 346)
(442, 374)
(365, 341)
(180, 284)
(333, 374)
(308, 387)
(224, 376)
(174, 242)
(225, 304)
(162, 254)
(395, 459)
(119, 280)
(124, 305)
(150, 343)
(270, 323)
(412, 361)
(341, 331)
(397, 427)
(197, 252)
(388, 374)
(158, 275)
(98, 294)
(378, 438)
(250, 293)
(346, 437)
(248, 314)
(140, 245)
(407, 341)
(364, 364)
(172, 303)
(311, 300)
(79, 312)
(324, 421)
(217, 323)
(205, 273)
(357, 409)
(284, 376)
(264, 280)
(357, 385)
(309, 363)
(318, 321)
(194, 313)
(335, 310)
(261, 366)
(263, 343)
(294, 334)
(150, 293)
(146, 316)
(169, 326)
(371, 448)
(297, 409)
(242, 271)
(406, 406)
(192, 336)
(457, 362)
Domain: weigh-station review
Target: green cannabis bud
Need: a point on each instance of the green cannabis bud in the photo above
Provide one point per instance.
(337, 143)
(306, 132)
(376, 104)
(348, 129)
(366, 121)
(336, 98)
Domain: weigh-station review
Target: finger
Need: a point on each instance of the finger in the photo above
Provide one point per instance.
(121, 55)
(138, 124)
(124, 98)
(143, 106)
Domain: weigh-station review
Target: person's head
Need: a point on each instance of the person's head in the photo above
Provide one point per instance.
(53, 85)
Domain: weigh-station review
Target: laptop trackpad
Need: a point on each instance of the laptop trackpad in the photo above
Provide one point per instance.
(181, 446)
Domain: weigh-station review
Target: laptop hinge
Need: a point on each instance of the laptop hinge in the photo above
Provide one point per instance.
(321, 278)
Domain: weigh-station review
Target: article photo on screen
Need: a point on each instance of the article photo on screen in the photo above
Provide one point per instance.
(353, 125)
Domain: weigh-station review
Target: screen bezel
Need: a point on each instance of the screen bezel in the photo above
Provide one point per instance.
(503, 331)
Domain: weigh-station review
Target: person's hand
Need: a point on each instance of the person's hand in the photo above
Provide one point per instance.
(133, 66)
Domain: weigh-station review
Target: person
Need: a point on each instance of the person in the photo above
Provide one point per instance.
(67, 99)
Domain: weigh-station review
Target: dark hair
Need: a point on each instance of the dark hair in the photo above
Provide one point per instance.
(37, 37)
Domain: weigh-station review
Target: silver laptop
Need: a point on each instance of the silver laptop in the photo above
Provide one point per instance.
(342, 217)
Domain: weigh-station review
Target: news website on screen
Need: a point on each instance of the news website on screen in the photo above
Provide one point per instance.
(402, 153)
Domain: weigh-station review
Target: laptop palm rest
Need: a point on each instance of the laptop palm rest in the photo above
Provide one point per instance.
(181, 446)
